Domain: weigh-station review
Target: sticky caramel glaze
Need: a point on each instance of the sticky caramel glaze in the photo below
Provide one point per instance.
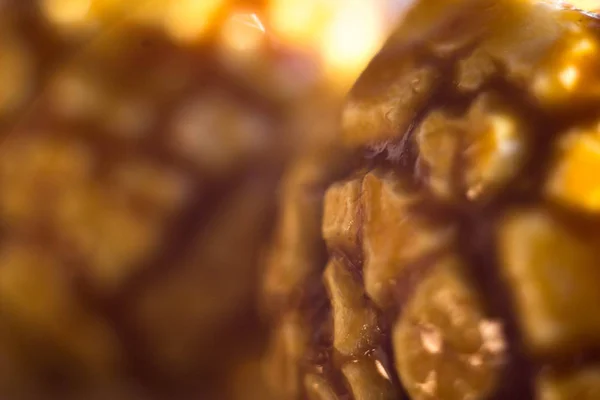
(477, 227)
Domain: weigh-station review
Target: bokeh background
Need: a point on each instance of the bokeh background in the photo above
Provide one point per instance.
(145, 145)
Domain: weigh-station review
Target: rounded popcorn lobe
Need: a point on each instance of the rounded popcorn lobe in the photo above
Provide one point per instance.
(457, 255)
(445, 346)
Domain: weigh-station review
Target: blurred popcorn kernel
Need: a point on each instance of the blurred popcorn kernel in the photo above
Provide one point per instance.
(36, 297)
(16, 72)
(77, 94)
(217, 133)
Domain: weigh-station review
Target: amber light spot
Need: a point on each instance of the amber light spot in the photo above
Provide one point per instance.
(569, 77)
(300, 22)
(257, 23)
(351, 40)
(67, 12)
(429, 386)
(431, 339)
(149, 13)
(584, 47)
(190, 20)
(493, 336)
(381, 369)
(343, 34)
(243, 32)
(586, 5)
(575, 179)
(503, 129)
(492, 156)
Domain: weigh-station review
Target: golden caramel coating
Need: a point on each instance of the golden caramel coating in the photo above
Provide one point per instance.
(465, 225)
(568, 77)
(485, 149)
(394, 237)
(445, 345)
(354, 322)
(573, 180)
(553, 276)
(341, 214)
(439, 137)
(384, 109)
(475, 70)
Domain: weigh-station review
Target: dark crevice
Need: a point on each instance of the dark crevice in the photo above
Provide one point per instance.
(179, 243)
(477, 238)
(351, 263)
(412, 274)
(477, 244)
(565, 365)
(168, 259)
(385, 354)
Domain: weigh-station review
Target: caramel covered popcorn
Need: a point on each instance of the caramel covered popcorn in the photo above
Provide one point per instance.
(458, 252)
